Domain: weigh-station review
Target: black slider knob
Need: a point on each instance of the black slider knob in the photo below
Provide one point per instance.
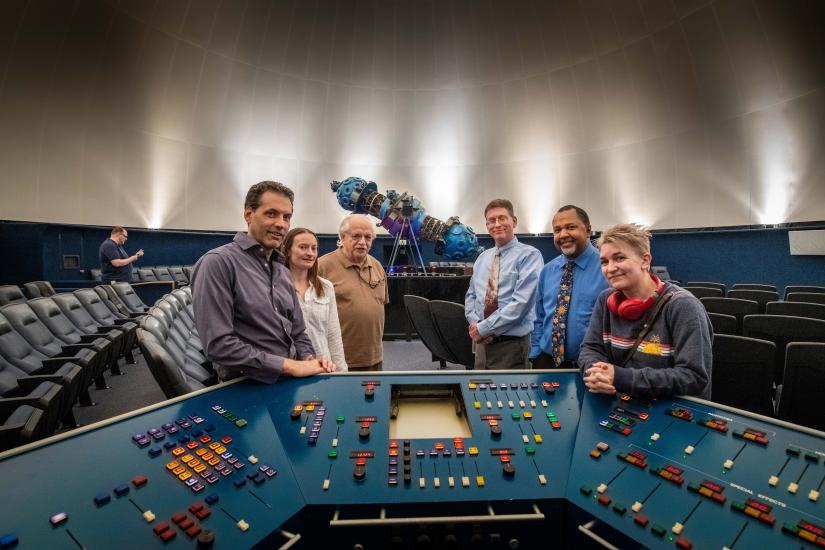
(360, 472)
(206, 538)
(508, 469)
(364, 433)
(495, 431)
(369, 392)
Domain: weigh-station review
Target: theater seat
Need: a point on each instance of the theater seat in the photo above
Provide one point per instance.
(723, 324)
(187, 270)
(802, 385)
(704, 292)
(418, 310)
(742, 374)
(708, 284)
(20, 424)
(61, 326)
(11, 294)
(28, 325)
(162, 274)
(106, 319)
(96, 274)
(803, 288)
(146, 274)
(18, 387)
(178, 275)
(77, 314)
(129, 298)
(31, 290)
(450, 322)
(796, 309)
(173, 371)
(60, 370)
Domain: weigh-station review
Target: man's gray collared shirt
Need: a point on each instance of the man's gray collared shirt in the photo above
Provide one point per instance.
(247, 311)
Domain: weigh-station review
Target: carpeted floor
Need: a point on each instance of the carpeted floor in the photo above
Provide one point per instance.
(137, 388)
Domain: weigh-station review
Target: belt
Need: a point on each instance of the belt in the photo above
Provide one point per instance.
(504, 338)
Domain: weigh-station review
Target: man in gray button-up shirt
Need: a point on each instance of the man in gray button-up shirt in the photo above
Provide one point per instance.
(246, 308)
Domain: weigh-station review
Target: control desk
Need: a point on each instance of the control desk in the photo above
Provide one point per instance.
(485, 459)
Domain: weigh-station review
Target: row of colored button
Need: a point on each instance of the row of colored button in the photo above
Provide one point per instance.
(636, 458)
(670, 473)
(755, 509)
(708, 489)
(749, 434)
(504, 386)
(806, 531)
(231, 417)
(714, 424)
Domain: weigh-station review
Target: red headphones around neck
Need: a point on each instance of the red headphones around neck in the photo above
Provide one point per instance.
(633, 308)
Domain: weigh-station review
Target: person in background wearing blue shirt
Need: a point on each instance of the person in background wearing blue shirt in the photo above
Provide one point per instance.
(500, 303)
(115, 263)
(568, 287)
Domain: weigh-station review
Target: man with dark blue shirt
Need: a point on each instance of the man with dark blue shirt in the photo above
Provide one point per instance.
(115, 263)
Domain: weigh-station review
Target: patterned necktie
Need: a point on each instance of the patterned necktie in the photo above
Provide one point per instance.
(559, 331)
(491, 296)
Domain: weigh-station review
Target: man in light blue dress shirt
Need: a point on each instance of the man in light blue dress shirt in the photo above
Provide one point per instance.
(571, 235)
(502, 337)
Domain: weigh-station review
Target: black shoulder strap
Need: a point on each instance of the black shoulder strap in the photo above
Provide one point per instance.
(652, 314)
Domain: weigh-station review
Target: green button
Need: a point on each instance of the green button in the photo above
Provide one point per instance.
(585, 490)
(240, 423)
(790, 528)
(227, 414)
(658, 530)
(332, 454)
(516, 416)
(340, 419)
(813, 457)
(619, 509)
(738, 505)
(530, 450)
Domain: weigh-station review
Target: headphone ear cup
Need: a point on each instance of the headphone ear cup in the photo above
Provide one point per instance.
(613, 302)
(633, 309)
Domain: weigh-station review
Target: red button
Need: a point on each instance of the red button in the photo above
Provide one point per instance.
(196, 507)
(205, 439)
(193, 531)
(684, 543)
(505, 458)
(365, 424)
(161, 527)
(179, 517)
(139, 481)
(641, 519)
(168, 535)
(604, 500)
(186, 524)
(203, 514)
(226, 440)
(361, 461)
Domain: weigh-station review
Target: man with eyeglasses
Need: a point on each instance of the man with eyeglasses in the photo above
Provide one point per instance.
(500, 303)
(360, 292)
(115, 263)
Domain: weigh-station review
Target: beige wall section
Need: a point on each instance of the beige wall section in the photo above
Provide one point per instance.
(162, 113)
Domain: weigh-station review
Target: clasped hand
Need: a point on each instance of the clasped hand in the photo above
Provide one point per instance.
(599, 378)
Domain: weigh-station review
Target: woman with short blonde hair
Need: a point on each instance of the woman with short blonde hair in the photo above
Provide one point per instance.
(646, 337)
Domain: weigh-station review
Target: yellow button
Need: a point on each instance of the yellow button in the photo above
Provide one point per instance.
(199, 468)
(527, 415)
(177, 451)
(310, 408)
(473, 451)
(184, 476)
(179, 470)
(207, 456)
(201, 451)
(477, 404)
(472, 385)
(172, 465)
(214, 461)
(595, 454)
(480, 481)
(538, 438)
(220, 450)
(194, 462)
(214, 445)
(186, 458)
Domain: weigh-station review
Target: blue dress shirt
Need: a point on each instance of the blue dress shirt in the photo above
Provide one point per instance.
(588, 283)
(519, 269)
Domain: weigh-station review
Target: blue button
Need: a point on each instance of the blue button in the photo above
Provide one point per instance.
(155, 451)
(211, 499)
(8, 540)
(239, 482)
(122, 490)
(102, 499)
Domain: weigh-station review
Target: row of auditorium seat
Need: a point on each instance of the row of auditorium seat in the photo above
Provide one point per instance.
(180, 274)
(53, 348)
(169, 342)
(757, 292)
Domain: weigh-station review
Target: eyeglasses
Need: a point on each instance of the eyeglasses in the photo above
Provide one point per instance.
(501, 219)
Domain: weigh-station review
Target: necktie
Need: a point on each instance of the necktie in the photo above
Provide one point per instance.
(558, 333)
(491, 296)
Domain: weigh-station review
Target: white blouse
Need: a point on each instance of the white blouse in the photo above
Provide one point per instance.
(322, 326)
